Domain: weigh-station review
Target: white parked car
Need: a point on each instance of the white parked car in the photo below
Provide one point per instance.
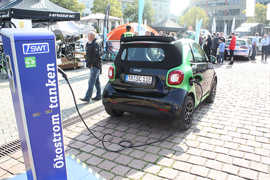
(243, 48)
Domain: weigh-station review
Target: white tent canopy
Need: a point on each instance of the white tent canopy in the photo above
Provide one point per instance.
(98, 16)
(70, 28)
(245, 27)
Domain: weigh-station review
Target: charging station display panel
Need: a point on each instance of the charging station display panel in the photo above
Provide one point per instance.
(36, 102)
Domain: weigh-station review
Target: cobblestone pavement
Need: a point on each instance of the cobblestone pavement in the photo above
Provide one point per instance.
(229, 139)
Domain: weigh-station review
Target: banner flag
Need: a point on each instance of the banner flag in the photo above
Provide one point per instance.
(233, 25)
(140, 16)
(198, 30)
(225, 29)
(106, 25)
(214, 26)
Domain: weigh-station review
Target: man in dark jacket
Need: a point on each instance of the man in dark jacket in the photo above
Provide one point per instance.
(93, 62)
(215, 44)
(208, 46)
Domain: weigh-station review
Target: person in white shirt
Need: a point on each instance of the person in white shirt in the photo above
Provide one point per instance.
(255, 42)
(265, 45)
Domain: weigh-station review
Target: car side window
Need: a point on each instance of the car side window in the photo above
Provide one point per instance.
(198, 53)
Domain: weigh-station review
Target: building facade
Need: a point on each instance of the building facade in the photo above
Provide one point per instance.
(224, 11)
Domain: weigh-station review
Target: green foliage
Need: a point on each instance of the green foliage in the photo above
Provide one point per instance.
(99, 6)
(73, 5)
(189, 18)
(131, 11)
(260, 14)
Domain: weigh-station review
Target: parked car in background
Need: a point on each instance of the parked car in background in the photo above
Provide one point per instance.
(243, 48)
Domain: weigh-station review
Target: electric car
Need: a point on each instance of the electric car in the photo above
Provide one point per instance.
(159, 76)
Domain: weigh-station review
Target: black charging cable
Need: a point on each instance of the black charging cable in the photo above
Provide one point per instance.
(124, 144)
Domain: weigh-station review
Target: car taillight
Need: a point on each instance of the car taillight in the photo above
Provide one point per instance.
(243, 47)
(175, 77)
(111, 72)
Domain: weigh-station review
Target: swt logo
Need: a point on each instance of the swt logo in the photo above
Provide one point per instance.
(36, 48)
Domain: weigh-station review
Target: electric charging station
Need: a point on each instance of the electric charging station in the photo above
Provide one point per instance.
(32, 71)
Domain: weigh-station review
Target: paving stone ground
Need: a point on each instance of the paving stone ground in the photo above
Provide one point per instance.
(229, 139)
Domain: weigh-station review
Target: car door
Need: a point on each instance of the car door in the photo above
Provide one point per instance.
(201, 67)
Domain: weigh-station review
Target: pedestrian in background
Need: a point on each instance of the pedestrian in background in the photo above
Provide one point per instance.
(265, 45)
(268, 41)
(93, 62)
(232, 48)
(215, 44)
(201, 40)
(221, 49)
(255, 42)
(128, 32)
(208, 46)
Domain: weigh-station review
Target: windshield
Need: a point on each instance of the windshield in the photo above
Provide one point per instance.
(143, 54)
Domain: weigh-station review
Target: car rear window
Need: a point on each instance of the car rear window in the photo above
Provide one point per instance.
(143, 54)
(150, 55)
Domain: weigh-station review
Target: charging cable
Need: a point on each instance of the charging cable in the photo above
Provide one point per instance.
(124, 144)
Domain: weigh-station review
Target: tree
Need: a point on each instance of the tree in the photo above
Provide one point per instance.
(99, 6)
(72, 5)
(131, 11)
(193, 14)
(260, 14)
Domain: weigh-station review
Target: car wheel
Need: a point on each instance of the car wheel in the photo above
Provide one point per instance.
(211, 97)
(184, 121)
(112, 112)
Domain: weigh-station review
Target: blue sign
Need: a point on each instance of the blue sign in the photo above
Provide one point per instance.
(35, 48)
(35, 94)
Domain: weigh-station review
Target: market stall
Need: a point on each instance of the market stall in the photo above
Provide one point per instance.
(39, 12)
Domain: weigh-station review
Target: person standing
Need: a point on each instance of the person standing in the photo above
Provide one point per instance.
(232, 48)
(208, 46)
(264, 48)
(93, 62)
(268, 41)
(128, 32)
(255, 41)
(221, 48)
(215, 44)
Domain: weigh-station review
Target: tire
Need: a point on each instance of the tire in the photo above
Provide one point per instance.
(184, 120)
(211, 97)
(112, 112)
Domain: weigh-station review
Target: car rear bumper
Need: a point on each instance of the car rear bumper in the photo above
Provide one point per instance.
(168, 105)
(244, 53)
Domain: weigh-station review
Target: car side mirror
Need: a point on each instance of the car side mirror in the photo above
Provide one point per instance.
(213, 59)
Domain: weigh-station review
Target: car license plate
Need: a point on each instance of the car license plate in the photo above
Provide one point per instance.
(139, 79)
